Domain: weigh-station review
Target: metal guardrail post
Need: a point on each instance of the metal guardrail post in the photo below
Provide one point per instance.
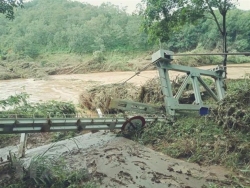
(22, 146)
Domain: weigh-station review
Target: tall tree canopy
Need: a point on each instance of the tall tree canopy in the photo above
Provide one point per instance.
(163, 17)
(7, 7)
(70, 26)
(62, 26)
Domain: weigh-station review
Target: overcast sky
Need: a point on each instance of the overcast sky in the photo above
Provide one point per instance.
(131, 4)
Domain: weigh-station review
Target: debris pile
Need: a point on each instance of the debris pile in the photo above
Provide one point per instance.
(100, 97)
(233, 112)
(149, 93)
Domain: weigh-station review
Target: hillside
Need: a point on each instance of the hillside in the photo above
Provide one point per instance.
(65, 37)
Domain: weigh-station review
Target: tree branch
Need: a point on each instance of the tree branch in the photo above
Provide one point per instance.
(215, 18)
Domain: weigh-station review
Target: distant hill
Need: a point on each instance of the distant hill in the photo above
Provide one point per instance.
(65, 26)
(61, 26)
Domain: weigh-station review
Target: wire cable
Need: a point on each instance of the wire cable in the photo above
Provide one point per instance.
(138, 72)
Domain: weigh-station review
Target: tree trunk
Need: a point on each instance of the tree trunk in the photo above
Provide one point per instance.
(224, 43)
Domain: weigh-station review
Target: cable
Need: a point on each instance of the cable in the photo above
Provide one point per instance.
(148, 77)
(200, 54)
(138, 72)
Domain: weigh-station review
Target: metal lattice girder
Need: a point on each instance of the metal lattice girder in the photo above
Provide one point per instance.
(162, 60)
(138, 107)
(33, 125)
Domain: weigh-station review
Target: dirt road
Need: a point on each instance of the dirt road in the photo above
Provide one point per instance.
(68, 87)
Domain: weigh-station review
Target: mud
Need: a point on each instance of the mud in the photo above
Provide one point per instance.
(118, 162)
(69, 87)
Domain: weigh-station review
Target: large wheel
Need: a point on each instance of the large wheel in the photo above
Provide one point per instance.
(133, 126)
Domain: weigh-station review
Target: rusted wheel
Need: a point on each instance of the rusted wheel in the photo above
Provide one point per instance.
(133, 125)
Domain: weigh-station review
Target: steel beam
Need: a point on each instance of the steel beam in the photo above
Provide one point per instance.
(33, 125)
(138, 107)
(211, 93)
(206, 54)
(182, 87)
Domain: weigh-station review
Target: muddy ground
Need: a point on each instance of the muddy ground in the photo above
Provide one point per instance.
(118, 162)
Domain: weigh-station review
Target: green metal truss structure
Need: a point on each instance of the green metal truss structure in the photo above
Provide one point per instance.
(162, 60)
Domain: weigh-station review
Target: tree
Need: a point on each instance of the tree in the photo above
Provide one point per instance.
(163, 17)
(7, 7)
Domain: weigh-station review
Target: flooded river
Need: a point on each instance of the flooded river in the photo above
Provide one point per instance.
(68, 87)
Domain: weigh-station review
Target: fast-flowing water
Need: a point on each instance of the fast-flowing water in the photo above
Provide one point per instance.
(68, 87)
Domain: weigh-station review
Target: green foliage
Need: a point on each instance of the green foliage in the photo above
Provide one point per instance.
(15, 101)
(98, 56)
(7, 7)
(46, 171)
(204, 35)
(18, 104)
(201, 141)
(32, 52)
(66, 26)
(163, 17)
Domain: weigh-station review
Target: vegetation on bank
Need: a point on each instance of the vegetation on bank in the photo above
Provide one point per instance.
(44, 171)
(53, 64)
(221, 138)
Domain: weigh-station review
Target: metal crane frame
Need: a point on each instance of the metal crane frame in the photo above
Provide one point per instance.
(162, 60)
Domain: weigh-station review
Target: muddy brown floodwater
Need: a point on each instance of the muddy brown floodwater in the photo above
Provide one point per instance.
(68, 87)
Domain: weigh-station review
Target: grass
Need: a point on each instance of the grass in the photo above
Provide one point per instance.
(201, 141)
(45, 171)
(204, 140)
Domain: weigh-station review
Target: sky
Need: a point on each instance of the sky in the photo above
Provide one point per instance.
(131, 4)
